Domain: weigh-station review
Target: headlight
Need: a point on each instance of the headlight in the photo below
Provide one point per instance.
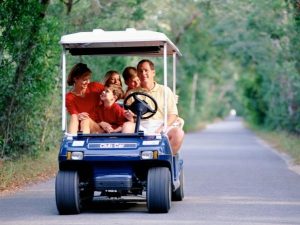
(149, 154)
(151, 142)
(75, 155)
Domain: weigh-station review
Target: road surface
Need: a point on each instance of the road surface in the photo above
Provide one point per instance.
(231, 178)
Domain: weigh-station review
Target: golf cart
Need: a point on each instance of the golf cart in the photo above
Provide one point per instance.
(116, 165)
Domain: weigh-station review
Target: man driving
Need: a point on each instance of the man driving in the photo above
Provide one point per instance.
(146, 74)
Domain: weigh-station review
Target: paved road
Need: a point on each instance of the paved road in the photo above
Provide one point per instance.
(232, 178)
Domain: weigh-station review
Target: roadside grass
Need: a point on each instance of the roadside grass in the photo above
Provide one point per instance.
(282, 141)
(15, 174)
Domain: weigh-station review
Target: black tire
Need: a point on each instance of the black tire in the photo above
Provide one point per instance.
(178, 194)
(67, 192)
(159, 190)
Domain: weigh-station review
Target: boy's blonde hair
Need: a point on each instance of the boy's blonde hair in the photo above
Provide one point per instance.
(116, 90)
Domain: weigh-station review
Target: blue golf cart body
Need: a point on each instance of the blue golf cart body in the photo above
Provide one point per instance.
(117, 165)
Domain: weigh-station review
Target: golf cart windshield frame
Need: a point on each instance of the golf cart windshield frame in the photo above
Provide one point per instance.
(118, 43)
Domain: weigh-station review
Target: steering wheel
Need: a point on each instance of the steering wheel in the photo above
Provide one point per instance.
(140, 107)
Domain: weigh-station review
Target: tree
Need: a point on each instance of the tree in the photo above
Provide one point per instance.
(24, 58)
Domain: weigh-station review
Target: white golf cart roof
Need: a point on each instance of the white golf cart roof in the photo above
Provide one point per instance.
(128, 42)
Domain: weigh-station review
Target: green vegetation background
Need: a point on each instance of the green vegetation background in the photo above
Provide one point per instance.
(236, 54)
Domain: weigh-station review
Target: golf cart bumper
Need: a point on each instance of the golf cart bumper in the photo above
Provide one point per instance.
(110, 148)
(102, 151)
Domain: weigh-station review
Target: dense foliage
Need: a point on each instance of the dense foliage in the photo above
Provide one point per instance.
(236, 54)
(28, 61)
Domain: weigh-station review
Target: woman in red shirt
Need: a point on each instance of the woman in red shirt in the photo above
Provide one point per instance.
(82, 100)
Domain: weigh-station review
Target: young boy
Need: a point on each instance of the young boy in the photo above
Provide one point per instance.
(131, 79)
(110, 115)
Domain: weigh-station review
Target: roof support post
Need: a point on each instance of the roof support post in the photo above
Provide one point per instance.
(165, 86)
(174, 72)
(63, 107)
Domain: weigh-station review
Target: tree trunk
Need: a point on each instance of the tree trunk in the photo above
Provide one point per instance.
(193, 98)
(189, 23)
(25, 58)
(70, 4)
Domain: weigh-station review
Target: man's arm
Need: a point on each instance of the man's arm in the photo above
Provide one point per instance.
(170, 120)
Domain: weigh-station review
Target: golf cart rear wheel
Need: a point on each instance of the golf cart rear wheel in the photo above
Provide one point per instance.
(178, 194)
(67, 192)
(159, 190)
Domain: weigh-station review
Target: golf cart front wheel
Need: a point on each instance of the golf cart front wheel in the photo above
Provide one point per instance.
(67, 192)
(159, 190)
